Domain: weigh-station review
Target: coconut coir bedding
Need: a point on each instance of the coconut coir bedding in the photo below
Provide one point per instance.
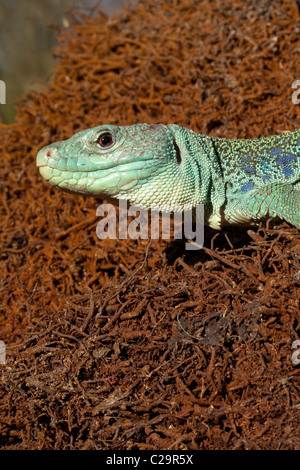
(131, 344)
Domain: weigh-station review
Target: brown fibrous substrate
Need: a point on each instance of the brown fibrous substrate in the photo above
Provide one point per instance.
(137, 344)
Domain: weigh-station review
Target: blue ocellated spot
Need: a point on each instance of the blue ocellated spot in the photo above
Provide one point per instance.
(287, 171)
(247, 187)
(275, 151)
(285, 159)
(249, 169)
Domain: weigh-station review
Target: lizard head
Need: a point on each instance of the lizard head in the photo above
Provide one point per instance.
(140, 163)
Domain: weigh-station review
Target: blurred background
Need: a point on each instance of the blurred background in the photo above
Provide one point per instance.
(27, 39)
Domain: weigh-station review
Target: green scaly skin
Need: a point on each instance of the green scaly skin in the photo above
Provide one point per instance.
(171, 168)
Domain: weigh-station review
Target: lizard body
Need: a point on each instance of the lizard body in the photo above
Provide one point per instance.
(168, 167)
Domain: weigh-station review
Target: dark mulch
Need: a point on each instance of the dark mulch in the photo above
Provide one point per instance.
(131, 344)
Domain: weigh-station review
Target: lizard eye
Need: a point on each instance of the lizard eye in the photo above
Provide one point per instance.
(105, 139)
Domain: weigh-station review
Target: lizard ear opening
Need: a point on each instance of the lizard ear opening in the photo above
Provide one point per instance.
(177, 150)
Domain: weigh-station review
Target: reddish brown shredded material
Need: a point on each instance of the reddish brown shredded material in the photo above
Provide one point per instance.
(136, 345)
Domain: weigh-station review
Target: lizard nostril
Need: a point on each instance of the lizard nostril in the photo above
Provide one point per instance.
(45, 155)
(50, 153)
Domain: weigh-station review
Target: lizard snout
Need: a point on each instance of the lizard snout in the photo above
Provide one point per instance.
(44, 155)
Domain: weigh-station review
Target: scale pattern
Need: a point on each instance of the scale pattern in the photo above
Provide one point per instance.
(171, 168)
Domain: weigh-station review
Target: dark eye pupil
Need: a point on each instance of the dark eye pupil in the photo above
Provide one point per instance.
(105, 140)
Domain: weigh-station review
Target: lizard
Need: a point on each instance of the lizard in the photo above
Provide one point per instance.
(167, 167)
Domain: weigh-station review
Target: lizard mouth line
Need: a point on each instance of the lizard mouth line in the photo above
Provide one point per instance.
(49, 167)
(122, 167)
(76, 170)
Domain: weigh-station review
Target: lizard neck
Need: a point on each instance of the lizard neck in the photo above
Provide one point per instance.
(195, 178)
